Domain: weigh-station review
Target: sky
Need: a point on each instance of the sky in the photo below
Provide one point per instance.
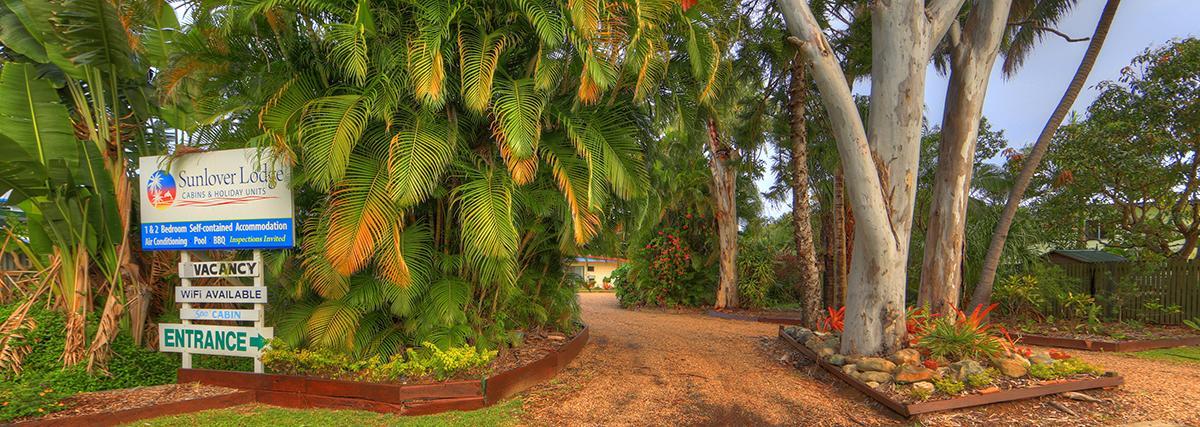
(1021, 104)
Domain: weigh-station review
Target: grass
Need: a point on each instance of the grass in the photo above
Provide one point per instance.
(262, 415)
(1178, 354)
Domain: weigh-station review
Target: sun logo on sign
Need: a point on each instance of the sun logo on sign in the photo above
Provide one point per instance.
(160, 189)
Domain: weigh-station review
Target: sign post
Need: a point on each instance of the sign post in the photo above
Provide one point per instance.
(220, 200)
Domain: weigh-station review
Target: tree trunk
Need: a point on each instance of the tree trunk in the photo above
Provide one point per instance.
(971, 60)
(809, 286)
(983, 290)
(880, 170)
(725, 203)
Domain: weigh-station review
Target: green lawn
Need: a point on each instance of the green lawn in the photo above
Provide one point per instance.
(262, 415)
(1180, 354)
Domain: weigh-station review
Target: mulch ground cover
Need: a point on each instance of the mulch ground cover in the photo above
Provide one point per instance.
(1111, 331)
(131, 398)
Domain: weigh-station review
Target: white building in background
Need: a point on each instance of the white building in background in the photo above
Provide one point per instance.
(595, 270)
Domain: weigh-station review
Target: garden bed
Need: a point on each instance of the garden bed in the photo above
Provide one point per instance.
(908, 409)
(755, 316)
(296, 391)
(114, 407)
(1120, 337)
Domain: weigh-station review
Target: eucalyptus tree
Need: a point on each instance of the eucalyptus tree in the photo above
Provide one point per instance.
(453, 152)
(1011, 28)
(983, 290)
(76, 102)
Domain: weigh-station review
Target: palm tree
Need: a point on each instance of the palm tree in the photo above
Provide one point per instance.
(991, 261)
(452, 153)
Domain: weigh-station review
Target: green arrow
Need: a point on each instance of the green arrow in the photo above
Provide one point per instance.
(258, 342)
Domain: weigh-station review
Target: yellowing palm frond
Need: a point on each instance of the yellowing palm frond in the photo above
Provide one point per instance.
(518, 117)
(332, 127)
(418, 155)
(361, 214)
(479, 55)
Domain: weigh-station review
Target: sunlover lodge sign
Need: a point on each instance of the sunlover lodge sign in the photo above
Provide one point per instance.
(230, 199)
(220, 200)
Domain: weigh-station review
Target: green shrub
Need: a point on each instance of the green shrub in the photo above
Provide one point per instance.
(672, 266)
(949, 385)
(428, 361)
(440, 364)
(1033, 292)
(952, 339)
(43, 382)
(982, 379)
(1063, 369)
(919, 393)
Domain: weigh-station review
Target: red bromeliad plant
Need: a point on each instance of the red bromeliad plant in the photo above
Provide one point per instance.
(834, 321)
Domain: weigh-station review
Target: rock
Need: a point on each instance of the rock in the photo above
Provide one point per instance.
(853, 359)
(800, 334)
(1011, 367)
(923, 387)
(814, 343)
(910, 374)
(834, 344)
(557, 337)
(961, 369)
(872, 384)
(836, 359)
(876, 364)
(989, 390)
(907, 356)
(850, 369)
(825, 352)
(1041, 358)
(876, 376)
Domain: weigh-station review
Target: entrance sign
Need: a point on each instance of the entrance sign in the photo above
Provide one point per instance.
(220, 314)
(212, 339)
(199, 270)
(229, 199)
(221, 294)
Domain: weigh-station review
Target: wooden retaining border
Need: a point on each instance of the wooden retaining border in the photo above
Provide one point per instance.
(1101, 345)
(302, 392)
(753, 318)
(124, 416)
(910, 409)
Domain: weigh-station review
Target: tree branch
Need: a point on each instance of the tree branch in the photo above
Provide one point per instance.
(1056, 32)
(939, 14)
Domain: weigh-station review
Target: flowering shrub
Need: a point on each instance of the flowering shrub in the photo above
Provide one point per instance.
(669, 268)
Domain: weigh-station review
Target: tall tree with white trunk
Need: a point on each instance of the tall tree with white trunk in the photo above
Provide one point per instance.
(880, 158)
(973, 47)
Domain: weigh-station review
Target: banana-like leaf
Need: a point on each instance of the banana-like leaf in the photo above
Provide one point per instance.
(15, 36)
(93, 33)
(160, 32)
(31, 114)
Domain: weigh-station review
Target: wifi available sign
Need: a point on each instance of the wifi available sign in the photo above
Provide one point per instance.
(211, 339)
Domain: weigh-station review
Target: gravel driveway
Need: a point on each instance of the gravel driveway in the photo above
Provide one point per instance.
(663, 367)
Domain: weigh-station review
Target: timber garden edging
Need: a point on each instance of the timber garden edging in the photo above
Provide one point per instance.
(910, 409)
(778, 320)
(1103, 345)
(303, 392)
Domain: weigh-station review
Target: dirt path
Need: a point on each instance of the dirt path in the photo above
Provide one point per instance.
(652, 367)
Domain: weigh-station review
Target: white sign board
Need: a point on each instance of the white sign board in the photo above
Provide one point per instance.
(220, 314)
(229, 199)
(221, 294)
(197, 270)
(211, 339)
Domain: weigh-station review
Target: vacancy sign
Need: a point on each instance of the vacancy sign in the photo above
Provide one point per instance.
(216, 340)
(201, 270)
(217, 200)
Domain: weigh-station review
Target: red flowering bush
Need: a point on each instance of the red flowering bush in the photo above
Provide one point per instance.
(666, 268)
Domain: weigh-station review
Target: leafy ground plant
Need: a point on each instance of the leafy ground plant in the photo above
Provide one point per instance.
(1063, 369)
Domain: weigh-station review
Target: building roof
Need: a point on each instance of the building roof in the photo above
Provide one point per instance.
(597, 258)
(1089, 255)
